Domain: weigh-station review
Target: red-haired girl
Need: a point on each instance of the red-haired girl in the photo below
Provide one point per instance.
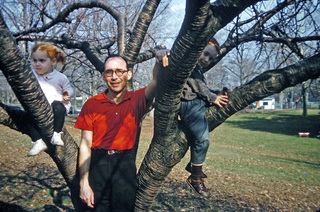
(56, 88)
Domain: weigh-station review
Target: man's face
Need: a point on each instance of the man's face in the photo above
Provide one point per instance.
(116, 84)
(207, 56)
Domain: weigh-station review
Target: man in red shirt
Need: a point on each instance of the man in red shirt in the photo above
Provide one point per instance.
(109, 123)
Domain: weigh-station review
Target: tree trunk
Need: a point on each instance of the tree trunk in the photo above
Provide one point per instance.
(28, 91)
(23, 83)
(169, 143)
(304, 99)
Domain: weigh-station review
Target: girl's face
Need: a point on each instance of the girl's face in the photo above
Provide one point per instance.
(207, 56)
(42, 63)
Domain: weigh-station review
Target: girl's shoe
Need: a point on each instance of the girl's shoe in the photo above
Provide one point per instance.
(56, 139)
(38, 146)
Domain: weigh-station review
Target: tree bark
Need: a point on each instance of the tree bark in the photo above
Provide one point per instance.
(23, 82)
(167, 146)
(169, 143)
(266, 84)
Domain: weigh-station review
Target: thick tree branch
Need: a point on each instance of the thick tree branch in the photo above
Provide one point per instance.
(159, 160)
(23, 83)
(140, 30)
(266, 84)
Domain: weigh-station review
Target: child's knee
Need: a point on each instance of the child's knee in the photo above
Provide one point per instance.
(58, 107)
(205, 145)
(199, 152)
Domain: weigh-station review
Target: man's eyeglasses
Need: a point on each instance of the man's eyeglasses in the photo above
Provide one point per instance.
(119, 72)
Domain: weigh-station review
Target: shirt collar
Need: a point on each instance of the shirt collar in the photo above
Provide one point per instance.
(49, 75)
(107, 100)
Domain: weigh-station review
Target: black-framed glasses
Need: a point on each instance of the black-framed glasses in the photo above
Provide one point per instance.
(119, 72)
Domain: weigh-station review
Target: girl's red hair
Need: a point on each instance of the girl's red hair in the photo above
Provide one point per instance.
(52, 52)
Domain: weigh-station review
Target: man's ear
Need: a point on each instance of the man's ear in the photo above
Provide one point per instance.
(103, 76)
(129, 73)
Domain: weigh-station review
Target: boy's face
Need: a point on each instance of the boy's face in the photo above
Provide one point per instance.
(207, 56)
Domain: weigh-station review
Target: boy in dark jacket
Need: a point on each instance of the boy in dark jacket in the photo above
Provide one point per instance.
(195, 100)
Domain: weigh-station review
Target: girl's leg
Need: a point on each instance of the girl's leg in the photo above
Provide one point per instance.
(59, 113)
(37, 142)
(26, 125)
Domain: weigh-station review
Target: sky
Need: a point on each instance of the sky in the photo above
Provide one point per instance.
(178, 11)
(177, 7)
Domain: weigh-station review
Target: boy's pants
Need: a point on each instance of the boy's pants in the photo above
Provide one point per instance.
(193, 116)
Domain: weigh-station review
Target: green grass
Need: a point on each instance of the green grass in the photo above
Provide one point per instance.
(263, 145)
(256, 162)
(268, 145)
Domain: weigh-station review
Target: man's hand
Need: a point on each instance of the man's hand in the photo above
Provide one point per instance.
(87, 195)
(162, 57)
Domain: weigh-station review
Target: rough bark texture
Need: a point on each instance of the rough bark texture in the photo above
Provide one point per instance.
(24, 84)
(266, 84)
(168, 147)
(169, 144)
(140, 30)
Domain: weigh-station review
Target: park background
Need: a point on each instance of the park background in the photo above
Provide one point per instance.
(236, 69)
(256, 162)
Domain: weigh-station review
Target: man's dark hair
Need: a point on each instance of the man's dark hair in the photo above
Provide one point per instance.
(115, 55)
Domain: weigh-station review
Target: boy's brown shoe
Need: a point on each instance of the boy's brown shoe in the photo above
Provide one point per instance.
(198, 186)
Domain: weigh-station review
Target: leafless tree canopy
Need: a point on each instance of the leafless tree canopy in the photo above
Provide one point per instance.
(275, 44)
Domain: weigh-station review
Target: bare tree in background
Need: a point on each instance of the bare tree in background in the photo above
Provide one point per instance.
(62, 24)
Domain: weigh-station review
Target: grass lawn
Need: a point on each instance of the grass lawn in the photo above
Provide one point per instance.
(268, 145)
(255, 162)
(256, 158)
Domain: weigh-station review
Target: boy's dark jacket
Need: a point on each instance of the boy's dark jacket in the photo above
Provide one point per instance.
(196, 87)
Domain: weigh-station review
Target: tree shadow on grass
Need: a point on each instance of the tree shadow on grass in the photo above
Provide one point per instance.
(178, 196)
(11, 207)
(279, 123)
(39, 188)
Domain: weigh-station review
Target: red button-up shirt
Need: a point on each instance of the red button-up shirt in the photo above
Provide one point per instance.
(114, 126)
